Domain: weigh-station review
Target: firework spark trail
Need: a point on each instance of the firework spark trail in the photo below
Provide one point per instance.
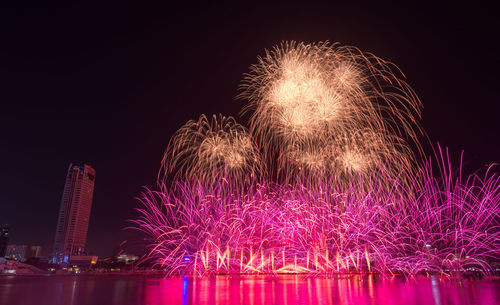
(209, 151)
(447, 228)
(311, 96)
(330, 184)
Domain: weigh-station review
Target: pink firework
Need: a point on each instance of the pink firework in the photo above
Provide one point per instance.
(440, 226)
(323, 182)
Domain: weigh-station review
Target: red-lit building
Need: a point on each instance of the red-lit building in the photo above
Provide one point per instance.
(74, 213)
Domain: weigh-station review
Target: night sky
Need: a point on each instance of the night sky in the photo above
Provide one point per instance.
(109, 86)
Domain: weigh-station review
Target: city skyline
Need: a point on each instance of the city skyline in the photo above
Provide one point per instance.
(112, 92)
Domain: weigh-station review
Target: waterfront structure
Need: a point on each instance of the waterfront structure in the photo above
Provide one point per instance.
(17, 252)
(35, 251)
(4, 239)
(83, 261)
(74, 214)
(22, 252)
(127, 258)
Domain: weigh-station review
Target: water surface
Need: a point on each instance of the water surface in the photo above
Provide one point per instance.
(253, 290)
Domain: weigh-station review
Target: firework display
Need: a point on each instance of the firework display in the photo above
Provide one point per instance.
(209, 151)
(313, 96)
(326, 180)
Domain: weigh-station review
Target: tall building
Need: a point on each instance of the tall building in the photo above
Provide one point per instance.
(74, 213)
(4, 239)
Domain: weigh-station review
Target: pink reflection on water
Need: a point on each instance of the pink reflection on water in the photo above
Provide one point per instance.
(140, 290)
(295, 289)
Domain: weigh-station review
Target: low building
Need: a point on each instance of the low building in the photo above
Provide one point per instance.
(17, 252)
(82, 261)
(127, 258)
(22, 253)
(35, 251)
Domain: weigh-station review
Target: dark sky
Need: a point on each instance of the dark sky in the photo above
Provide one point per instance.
(108, 86)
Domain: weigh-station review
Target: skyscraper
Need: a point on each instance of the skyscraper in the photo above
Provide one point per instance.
(4, 239)
(74, 213)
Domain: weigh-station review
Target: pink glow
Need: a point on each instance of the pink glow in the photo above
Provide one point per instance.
(259, 290)
(323, 182)
(433, 226)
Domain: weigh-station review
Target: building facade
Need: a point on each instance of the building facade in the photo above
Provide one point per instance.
(17, 252)
(35, 251)
(4, 239)
(74, 213)
(23, 252)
